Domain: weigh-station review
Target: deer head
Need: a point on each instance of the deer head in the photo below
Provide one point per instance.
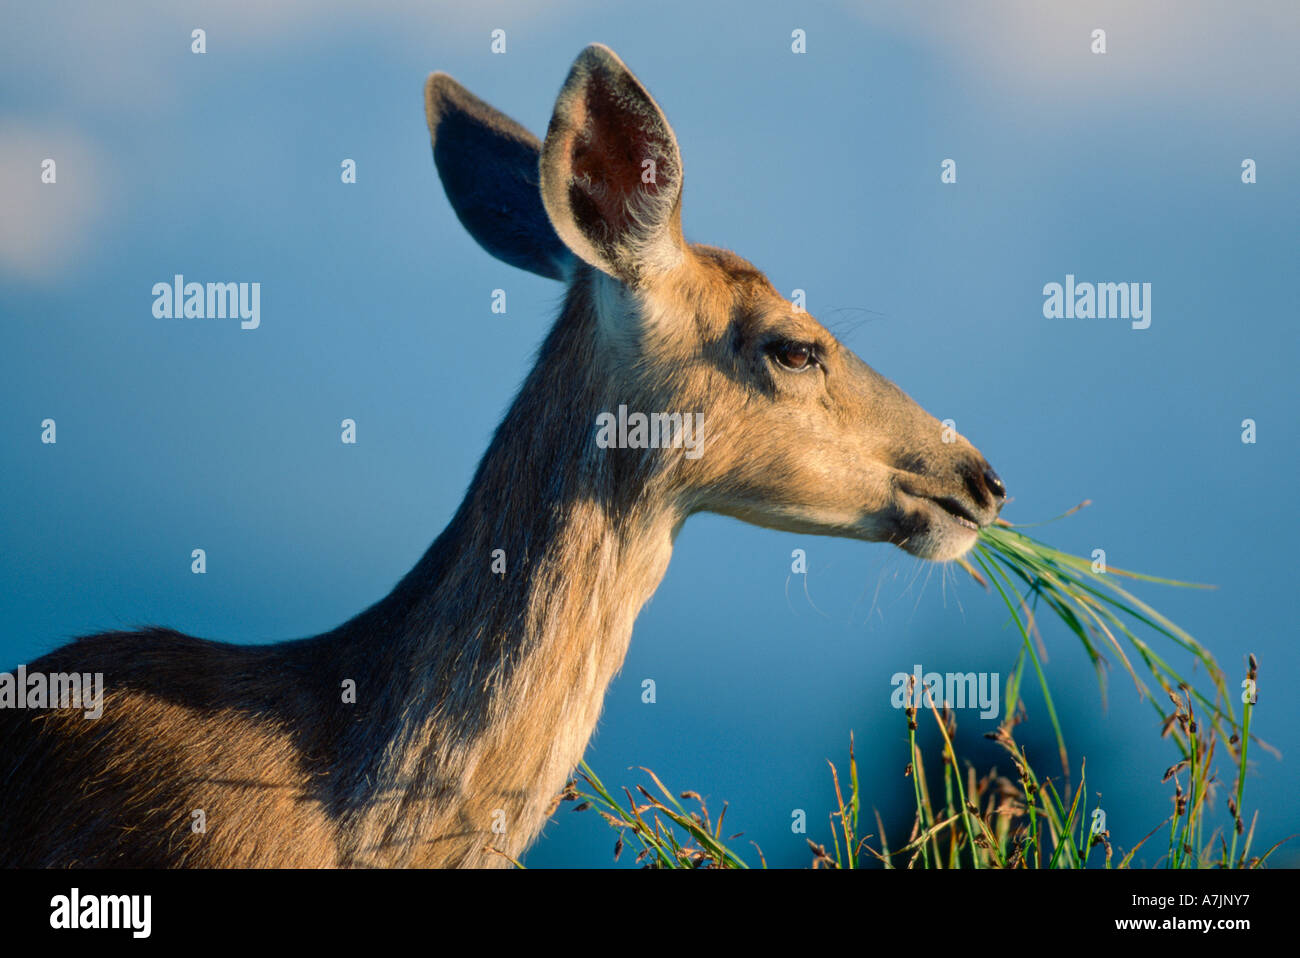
(798, 433)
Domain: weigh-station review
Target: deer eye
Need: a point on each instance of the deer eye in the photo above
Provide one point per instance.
(793, 355)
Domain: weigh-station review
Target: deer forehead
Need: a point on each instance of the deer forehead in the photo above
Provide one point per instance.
(713, 296)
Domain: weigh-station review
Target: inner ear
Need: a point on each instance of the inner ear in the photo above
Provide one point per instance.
(611, 172)
(620, 164)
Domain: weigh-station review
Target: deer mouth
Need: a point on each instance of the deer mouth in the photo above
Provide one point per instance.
(957, 512)
(938, 528)
(951, 508)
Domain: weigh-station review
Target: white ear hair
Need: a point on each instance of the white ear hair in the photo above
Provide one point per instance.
(611, 172)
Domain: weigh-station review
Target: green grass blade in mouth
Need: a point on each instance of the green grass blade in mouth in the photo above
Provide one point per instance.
(1097, 609)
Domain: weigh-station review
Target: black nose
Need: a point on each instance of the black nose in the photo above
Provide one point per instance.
(994, 483)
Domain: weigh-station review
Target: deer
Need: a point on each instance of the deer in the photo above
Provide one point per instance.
(480, 678)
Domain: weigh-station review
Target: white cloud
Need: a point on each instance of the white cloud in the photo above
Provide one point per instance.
(102, 64)
(1243, 52)
(123, 58)
(44, 227)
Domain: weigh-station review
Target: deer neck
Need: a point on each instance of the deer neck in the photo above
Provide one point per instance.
(502, 641)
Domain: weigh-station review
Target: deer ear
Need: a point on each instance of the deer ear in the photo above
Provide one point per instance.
(611, 171)
(488, 166)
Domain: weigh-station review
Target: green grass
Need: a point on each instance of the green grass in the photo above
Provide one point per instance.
(1030, 820)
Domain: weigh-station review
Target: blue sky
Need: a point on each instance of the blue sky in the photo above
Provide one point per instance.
(823, 169)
